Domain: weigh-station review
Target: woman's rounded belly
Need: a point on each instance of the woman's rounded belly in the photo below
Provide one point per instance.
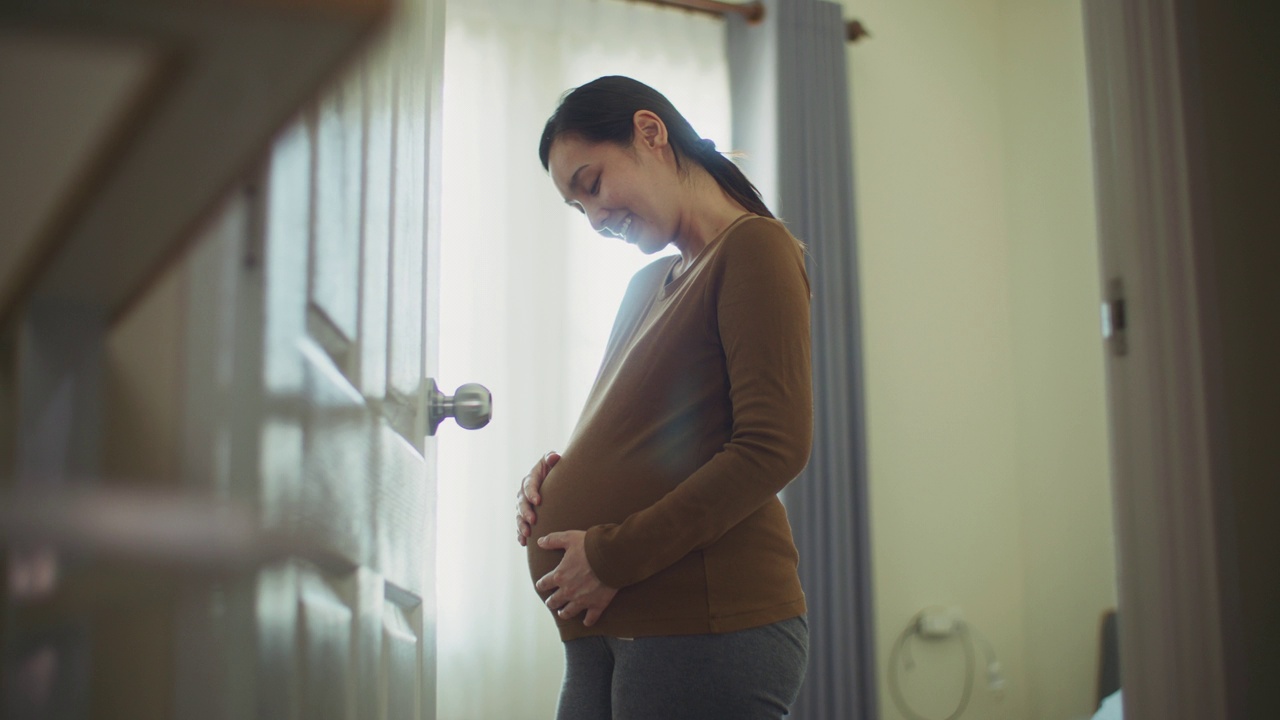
(578, 496)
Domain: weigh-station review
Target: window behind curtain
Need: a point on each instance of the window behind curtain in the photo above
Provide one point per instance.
(528, 294)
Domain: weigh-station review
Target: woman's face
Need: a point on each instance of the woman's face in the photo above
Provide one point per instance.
(631, 193)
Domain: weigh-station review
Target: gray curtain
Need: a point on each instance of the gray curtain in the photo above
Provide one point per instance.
(791, 117)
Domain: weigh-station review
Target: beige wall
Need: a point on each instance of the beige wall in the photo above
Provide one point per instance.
(987, 445)
(1062, 456)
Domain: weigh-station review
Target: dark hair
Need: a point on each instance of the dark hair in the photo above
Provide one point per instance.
(603, 110)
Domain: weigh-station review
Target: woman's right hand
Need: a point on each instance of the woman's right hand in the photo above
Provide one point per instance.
(530, 495)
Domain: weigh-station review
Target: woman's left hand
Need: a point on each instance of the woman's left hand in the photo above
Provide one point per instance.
(576, 586)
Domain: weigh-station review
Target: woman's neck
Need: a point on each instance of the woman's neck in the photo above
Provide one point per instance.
(708, 211)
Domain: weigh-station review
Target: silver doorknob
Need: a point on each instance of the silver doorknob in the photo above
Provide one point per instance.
(471, 406)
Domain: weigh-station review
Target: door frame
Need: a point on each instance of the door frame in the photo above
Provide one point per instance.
(1164, 392)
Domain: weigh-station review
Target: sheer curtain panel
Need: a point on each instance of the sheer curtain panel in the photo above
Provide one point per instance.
(528, 294)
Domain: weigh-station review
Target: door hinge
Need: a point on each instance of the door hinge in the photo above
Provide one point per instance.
(1114, 318)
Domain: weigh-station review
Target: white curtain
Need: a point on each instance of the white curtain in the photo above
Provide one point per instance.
(528, 295)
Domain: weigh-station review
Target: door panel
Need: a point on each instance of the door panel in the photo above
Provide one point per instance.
(337, 135)
(405, 364)
(269, 647)
(326, 616)
(369, 589)
(379, 106)
(343, 458)
(402, 525)
(402, 665)
(339, 462)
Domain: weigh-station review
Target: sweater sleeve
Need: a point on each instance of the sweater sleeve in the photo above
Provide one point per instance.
(761, 304)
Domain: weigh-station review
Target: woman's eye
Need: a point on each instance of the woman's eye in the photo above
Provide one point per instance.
(595, 188)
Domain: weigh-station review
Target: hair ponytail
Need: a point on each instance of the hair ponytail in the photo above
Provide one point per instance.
(730, 177)
(603, 110)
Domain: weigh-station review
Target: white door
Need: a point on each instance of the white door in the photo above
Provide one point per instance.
(280, 366)
(325, 426)
(1159, 395)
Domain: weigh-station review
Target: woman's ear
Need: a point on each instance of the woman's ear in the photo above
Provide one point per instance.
(649, 129)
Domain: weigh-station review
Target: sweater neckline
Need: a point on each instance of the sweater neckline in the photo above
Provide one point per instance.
(669, 284)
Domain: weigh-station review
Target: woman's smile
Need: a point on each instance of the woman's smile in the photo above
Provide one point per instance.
(620, 230)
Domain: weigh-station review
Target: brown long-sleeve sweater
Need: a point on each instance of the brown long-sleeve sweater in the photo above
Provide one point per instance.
(702, 411)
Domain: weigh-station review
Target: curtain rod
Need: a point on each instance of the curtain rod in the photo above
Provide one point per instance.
(752, 12)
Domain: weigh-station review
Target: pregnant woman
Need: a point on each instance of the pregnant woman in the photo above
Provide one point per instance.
(656, 538)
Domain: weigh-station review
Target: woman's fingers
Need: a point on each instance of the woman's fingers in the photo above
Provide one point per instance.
(525, 512)
(531, 487)
(556, 541)
(525, 518)
(566, 606)
(547, 582)
(594, 604)
(572, 587)
(529, 494)
(549, 461)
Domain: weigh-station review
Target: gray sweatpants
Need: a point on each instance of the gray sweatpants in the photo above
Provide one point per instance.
(746, 675)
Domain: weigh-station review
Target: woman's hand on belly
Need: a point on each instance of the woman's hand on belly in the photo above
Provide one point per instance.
(530, 494)
(575, 584)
